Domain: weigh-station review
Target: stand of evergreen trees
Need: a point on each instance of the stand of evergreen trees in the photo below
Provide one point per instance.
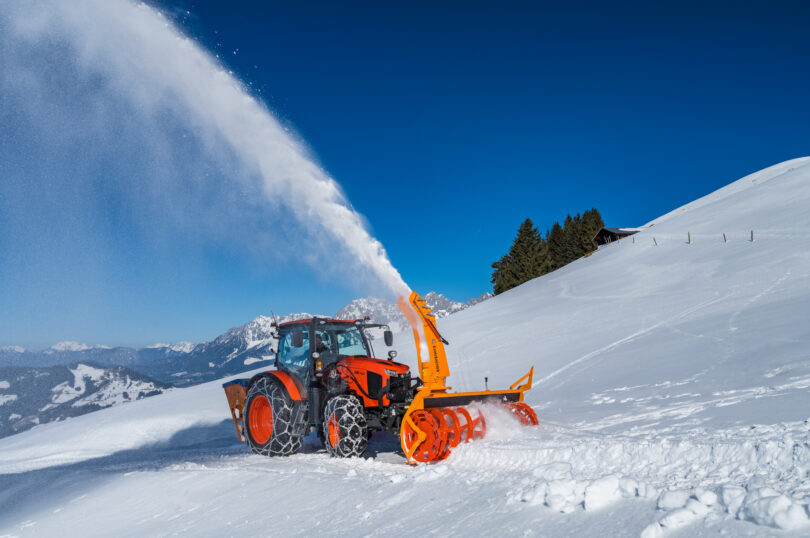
(533, 255)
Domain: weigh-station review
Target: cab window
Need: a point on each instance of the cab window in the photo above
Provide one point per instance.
(294, 359)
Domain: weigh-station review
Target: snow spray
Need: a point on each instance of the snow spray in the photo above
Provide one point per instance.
(502, 424)
(138, 49)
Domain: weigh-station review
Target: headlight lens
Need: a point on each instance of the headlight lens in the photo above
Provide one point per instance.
(391, 372)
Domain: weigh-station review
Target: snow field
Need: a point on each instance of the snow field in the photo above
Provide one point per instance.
(671, 383)
(192, 475)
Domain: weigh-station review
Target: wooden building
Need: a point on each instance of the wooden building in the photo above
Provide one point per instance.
(608, 235)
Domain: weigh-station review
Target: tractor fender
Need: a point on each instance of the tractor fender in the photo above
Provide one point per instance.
(290, 384)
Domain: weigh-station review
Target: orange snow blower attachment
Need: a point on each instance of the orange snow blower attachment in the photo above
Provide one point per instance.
(436, 420)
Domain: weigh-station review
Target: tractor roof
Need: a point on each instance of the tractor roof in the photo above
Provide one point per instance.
(308, 320)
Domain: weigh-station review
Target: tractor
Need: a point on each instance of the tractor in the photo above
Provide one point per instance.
(327, 381)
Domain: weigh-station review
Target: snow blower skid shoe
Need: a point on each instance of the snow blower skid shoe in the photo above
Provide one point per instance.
(438, 420)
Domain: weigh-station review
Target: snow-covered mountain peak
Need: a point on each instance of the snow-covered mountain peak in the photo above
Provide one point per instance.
(441, 305)
(70, 345)
(179, 347)
(383, 311)
(379, 310)
(257, 331)
(13, 349)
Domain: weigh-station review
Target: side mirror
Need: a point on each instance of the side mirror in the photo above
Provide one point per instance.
(298, 338)
(391, 355)
(388, 336)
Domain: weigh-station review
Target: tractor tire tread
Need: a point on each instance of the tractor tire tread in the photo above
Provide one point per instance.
(351, 420)
(287, 436)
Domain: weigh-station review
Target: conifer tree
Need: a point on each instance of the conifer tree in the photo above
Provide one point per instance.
(543, 255)
(572, 231)
(525, 253)
(501, 276)
(556, 246)
(523, 261)
(591, 224)
(532, 255)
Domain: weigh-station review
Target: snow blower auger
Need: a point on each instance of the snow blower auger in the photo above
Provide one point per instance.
(436, 419)
(327, 381)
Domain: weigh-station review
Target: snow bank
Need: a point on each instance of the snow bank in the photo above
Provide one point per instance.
(572, 471)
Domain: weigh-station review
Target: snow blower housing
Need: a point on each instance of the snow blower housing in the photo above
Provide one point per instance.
(328, 381)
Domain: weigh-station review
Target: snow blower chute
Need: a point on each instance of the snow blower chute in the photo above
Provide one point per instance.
(326, 380)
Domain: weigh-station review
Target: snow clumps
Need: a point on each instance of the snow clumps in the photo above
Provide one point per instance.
(763, 506)
(681, 507)
(565, 494)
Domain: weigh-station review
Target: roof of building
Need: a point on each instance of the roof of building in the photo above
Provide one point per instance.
(609, 232)
(621, 230)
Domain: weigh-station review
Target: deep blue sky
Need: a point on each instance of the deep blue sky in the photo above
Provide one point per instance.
(477, 115)
(470, 116)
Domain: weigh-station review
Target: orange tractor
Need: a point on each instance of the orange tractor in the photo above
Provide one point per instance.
(328, 381)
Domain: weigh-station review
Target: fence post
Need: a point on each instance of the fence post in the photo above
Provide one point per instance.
(724, 238)
(654, 241)
(752, 236)
(688, 238)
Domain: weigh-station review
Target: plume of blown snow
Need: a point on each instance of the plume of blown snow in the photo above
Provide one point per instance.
(133, 51)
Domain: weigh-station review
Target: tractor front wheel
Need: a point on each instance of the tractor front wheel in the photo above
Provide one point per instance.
(344, 427)
(269, 420)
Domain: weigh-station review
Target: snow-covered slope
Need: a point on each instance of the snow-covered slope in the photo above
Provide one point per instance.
(651, 328)
(671, 380)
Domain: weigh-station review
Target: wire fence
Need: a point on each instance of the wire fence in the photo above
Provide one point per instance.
(689, 238)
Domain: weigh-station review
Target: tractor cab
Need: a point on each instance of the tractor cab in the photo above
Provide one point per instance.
(309, 346)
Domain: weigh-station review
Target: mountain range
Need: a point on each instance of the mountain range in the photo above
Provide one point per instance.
(36, 395)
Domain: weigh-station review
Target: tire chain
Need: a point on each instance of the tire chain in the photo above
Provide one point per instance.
(287, 436)
(352, 424)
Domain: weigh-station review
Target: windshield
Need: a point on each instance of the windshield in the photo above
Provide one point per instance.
(340, 339)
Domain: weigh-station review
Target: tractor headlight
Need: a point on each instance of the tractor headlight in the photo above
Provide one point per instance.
(391, 372)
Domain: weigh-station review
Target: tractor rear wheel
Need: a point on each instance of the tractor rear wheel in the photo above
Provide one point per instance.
(269, 420)
(344, 427)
